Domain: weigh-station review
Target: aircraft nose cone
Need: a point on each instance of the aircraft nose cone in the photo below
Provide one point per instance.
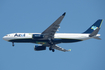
(4, 38)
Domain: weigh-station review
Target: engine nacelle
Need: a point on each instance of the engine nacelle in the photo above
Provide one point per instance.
(39, 48)
(36, 36)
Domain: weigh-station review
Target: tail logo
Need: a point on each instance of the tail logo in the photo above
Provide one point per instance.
(94, 27)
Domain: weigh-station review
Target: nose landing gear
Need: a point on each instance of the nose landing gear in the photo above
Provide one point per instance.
(12, 43)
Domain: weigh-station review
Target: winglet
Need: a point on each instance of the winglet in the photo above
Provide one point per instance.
(64, 14)
(69, 50)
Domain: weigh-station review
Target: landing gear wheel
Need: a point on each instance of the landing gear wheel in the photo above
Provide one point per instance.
(53, 50)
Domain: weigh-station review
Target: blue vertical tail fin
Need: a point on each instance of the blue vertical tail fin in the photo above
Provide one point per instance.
(95, 26)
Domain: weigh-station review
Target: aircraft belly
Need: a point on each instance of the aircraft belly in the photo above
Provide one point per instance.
(21, 40)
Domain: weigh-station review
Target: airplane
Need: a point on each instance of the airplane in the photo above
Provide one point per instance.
(49, 37)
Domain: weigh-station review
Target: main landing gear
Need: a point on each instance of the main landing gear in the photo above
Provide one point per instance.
(12, 43)
(51, 44)
(51, 49)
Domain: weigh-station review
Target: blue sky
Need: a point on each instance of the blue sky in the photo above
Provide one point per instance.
(26, 16)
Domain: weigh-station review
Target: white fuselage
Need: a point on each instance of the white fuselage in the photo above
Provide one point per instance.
(25, 36)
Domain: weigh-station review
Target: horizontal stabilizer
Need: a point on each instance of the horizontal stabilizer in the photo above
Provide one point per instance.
(97, 38)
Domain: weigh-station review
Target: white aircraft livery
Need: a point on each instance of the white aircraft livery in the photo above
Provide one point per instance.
(49, 37)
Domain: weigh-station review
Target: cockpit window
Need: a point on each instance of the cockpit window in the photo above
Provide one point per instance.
(7, 35)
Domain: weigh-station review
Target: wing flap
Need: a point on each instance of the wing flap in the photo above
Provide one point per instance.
(59, 48)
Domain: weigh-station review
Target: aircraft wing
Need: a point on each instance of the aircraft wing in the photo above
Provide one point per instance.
(51, 30)
(59, 48)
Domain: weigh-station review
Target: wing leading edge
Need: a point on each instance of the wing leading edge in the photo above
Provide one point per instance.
(51, 30)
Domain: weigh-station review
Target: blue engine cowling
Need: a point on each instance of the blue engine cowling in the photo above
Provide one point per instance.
(36, 36)
(39, 48)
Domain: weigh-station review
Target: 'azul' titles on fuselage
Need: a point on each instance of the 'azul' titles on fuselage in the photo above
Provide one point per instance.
(19, 35)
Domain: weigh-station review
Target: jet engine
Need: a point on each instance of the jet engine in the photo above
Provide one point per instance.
(39, 48)
(36, 36)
